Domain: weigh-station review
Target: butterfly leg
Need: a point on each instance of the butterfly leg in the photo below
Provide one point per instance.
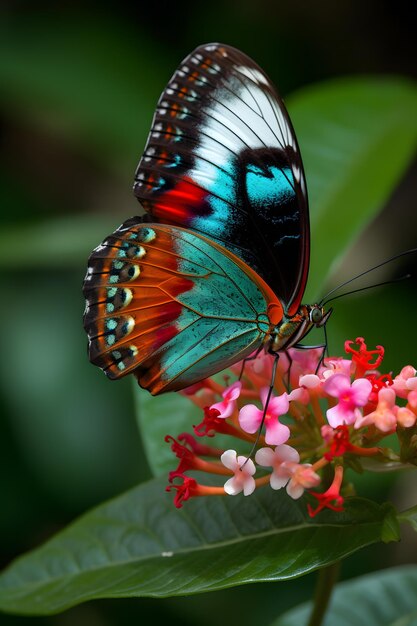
(270, 390)
(249, 358)
(288, 355)
(323, 346)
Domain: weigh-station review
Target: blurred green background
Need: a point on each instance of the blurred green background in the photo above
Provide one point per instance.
(79, 83)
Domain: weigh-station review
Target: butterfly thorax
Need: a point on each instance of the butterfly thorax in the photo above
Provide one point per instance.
(291, 329)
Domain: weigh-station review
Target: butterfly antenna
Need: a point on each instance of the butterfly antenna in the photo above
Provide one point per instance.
(348, 293)
(371, 269)
(270, 390)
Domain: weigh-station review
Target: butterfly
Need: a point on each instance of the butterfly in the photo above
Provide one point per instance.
(216, 268)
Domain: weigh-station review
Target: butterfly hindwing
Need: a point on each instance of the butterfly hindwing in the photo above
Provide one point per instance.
(171, 306)
(223, 160)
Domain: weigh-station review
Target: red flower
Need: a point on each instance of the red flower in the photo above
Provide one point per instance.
(213, 424)
(197, 447)
(210, 424)
(338, 440)
(363, 357)
(190, 488)
(185, 490)
(378, 382)
(330, 499)
(187, 457)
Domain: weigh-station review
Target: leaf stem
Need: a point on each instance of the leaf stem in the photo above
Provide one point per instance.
(327, 577)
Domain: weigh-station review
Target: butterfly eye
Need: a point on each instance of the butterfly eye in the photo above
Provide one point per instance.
(316, 315)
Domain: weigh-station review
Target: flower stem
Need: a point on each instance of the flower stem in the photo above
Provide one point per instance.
(327, 578)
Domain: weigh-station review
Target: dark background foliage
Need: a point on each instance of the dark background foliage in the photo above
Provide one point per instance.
(79, 82)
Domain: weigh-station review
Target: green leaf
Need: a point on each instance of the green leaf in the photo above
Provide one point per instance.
(58, 243)
(93, 82)
(168, 414)
(409, 516)
(357, 137)
(140, 545)
(386, 598)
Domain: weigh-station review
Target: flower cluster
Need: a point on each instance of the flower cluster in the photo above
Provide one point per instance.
(316, 422)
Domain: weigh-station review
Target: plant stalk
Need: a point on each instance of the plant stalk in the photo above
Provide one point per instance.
(327, 577)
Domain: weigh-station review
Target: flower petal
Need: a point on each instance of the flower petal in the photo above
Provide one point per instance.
(294, 489)
(299, 395)
(233, 486)
(245, 465)
(279, 405)
(338, 415)
(249, 486)
(362, 388)
(263, 394)
(224, 408)
(265, 457)
(276, 433)
(310, 381)
(405, 417)
(233, 392)
(250, 418)
(229, 459)
(287, 454)
(336, 385)
(278, 482)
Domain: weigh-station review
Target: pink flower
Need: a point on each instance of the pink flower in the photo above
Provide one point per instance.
(405, 382)
(228, 404)
(243, 469)
(256, 371)
(406, 417)
(299, 395)
(350, 396)
(261, 366)
(313, 383)
(310, 384)
(303, 477)
(310, 381)
(412, 399)
(250, 418)
(327, 433)
(333, 366)
(337, 365)
(302, 362)
(384, 416)
(287, 471)
(278, 460)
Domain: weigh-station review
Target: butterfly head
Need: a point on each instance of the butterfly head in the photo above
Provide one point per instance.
(317, 315)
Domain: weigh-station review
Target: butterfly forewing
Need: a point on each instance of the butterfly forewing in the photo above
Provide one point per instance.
(222, 159)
